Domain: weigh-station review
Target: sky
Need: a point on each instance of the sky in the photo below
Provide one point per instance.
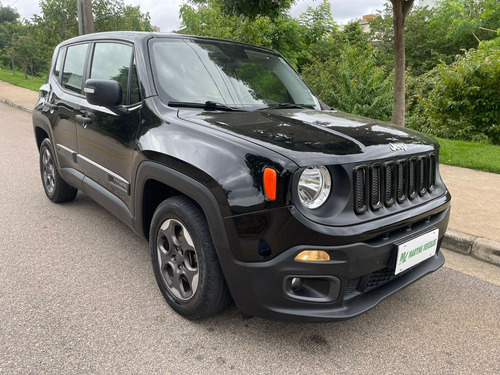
(165, 13)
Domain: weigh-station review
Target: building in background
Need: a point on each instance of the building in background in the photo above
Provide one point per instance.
(365, 26)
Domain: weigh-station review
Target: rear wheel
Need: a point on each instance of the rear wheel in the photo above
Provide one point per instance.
(56, 189)
(184, 260)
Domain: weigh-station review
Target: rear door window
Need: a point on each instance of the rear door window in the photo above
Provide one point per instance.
(73, 71)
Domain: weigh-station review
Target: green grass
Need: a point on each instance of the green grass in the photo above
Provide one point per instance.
(472, 155)
(6, 75)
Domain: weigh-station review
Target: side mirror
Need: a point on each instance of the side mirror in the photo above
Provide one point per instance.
(103, 92)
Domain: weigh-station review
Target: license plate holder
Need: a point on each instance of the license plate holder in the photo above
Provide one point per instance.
(415, 251)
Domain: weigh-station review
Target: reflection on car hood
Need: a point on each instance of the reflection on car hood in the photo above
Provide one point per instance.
(305, 136)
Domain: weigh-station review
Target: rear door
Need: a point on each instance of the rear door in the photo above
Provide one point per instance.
(64, 102)
(106, 140)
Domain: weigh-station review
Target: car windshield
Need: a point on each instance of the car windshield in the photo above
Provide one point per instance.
(229, 74)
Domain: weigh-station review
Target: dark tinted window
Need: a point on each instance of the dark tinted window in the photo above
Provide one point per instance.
(112, 61)
(73, 71)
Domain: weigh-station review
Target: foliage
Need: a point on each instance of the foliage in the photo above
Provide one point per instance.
(437, 34)
(282, 33)
(473, 155)
(209, 20)
(293, 38)
(24, 51)
(353, 83)
(8, 14)
(113, 15)
(58, 20)
(353, 34)
(317, 23)
(250, 8)
(55, 23)
(9, 25)
(464, 102)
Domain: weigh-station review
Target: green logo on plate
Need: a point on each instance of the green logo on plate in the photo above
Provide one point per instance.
(410, 254)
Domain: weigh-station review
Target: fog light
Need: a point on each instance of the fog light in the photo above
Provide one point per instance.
(296, 283)
(313, 256)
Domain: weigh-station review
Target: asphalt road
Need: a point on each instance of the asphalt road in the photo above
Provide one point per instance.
(78, 296)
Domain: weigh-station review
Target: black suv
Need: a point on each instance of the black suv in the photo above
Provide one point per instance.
(247, 186)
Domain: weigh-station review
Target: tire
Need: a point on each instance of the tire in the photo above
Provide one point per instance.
(184, 260)
(56, 189)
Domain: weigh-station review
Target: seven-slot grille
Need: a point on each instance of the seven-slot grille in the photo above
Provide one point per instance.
(383, 184)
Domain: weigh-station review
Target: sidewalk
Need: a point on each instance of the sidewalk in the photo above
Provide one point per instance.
(474, 227)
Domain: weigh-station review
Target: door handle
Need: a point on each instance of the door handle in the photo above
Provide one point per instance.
(51, 106)
(83, 120)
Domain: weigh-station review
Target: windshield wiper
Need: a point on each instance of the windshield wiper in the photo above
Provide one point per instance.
(207, 106)
(288, 105)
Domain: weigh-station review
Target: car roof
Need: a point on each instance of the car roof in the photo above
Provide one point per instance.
(136, 36)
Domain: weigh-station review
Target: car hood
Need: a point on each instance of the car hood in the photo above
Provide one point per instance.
(311, 137)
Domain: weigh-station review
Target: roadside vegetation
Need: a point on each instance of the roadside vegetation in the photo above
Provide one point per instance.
(7, 75)
(474, 155)
(452, 55)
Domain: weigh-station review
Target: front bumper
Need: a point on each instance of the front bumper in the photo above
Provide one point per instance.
(357, 278)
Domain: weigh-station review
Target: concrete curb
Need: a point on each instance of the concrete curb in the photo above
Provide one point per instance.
(18, 106)
(480, 248)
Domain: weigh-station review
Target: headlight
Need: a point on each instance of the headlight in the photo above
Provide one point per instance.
(314, 187)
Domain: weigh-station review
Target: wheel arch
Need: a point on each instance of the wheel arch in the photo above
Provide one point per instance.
(156, 182)
(41, 129)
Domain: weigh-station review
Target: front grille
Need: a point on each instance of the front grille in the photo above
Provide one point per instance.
(360, 189)
(375, 183)
(379, 278)
(369, 282)
(393, 181)
(352, 286)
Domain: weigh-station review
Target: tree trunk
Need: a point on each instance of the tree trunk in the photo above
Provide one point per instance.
(400, 11)
(13, 67)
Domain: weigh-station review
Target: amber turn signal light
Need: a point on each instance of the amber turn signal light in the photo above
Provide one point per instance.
(270, 180)
(313, 256)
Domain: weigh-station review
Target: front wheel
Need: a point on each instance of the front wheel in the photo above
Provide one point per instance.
(184, 260)
(56, 189)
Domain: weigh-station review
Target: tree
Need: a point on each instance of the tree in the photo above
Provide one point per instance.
(24, 51)
(317, 23)
(251, 8)
(282, 33)
(114, 15)
(57, 20)
(9, 19)
(437, 34)
(8, 14)
(401, 8)
(353, 34)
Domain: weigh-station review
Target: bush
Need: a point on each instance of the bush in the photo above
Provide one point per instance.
(464, 102)
(352, 83)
